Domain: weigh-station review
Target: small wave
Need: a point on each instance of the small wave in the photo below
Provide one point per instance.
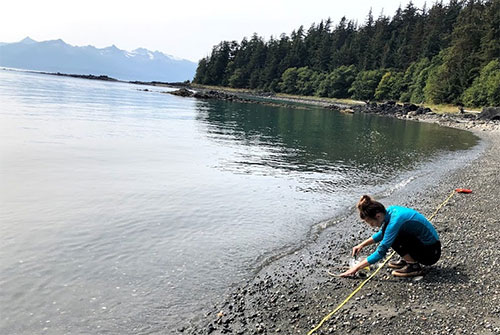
(398, 186)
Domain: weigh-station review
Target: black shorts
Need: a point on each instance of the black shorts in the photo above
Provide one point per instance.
(426, 254)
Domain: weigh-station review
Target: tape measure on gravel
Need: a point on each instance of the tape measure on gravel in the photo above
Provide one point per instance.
(326, 318)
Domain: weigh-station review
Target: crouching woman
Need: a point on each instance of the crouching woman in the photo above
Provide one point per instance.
(407, 231)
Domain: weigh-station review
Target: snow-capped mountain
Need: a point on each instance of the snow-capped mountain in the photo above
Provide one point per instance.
(57, 56)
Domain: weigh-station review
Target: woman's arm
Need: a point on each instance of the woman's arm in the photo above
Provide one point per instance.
(363, 244)
(361, 264)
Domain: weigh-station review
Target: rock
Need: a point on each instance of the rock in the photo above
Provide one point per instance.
(210, 329)
(410, 107)
(183, 92)
(490, 113)
(391, 108)
(260, 328)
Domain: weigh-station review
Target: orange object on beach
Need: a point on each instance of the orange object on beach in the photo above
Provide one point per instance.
(463, 190)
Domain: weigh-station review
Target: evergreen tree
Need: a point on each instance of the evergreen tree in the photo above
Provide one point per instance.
(336, 84)
(461, 61)
(485, 91)
(288, 82)
(389, 87)
(201, 72)
(306, 81)
(434, 55)
(490, 43)
(363, 88)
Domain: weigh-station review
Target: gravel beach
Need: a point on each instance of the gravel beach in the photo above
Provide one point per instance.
(458, 295)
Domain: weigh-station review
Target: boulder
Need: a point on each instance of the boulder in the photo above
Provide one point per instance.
(490, 113)
(183, 92)
(410, 107)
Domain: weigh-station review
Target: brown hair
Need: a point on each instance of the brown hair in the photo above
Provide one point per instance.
(368, 207)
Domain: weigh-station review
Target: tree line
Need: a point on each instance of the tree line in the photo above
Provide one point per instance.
(448, 53)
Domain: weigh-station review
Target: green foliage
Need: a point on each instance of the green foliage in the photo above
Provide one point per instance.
(414, 81)
(389, 87)
(336, 84)
(485, 90)
(416, 89)
(306, 81)
(490, 45)
(434, 55)
(302, 81)
(238, 79)
(288, 82)
(363, 88)
(462, 61)
(201, 72)
(445, 78)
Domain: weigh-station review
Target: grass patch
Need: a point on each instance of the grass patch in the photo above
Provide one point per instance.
(224, 89)
(443, 109)
(449, 109)
(277, 96)
(323, 99)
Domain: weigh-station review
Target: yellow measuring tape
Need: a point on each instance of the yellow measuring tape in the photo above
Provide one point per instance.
(326, 318)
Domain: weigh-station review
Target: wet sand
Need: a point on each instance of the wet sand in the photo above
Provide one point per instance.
(458, 295)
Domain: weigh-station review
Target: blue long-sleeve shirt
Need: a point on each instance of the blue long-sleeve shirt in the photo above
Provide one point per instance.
(401, 219)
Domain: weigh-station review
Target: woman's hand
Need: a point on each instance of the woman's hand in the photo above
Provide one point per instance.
(349, 272)
(357, 249)
(364, 263)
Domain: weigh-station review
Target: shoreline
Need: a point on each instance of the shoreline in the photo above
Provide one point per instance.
(461, 119)
(294, 292)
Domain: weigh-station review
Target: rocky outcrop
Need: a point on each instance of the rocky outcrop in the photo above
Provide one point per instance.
(210, 94)
(183, 92)
(489, 113)
(82, 76)
(221, 95)
(391, 108)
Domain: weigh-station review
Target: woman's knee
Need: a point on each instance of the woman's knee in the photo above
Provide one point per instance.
(431, 254)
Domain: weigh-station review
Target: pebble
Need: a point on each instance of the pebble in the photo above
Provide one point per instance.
(457, 295)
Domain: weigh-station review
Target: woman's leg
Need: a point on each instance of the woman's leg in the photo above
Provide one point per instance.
(407, 246)
(412, 250)
(430, 254)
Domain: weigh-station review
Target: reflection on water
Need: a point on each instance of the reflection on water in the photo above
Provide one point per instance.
(359, 149)
(123, 211)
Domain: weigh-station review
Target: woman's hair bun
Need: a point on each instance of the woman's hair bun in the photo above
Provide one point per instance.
(364, 201)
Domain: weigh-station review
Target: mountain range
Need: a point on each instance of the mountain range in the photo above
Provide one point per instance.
(57, 56)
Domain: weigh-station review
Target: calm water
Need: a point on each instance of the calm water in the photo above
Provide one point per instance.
(124, 211)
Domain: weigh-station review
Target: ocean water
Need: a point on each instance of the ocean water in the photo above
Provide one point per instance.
(124, 211)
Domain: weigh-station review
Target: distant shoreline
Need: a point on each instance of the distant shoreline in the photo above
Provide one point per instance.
(101, 77)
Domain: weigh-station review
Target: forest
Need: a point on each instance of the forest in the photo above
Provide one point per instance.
(446, 54)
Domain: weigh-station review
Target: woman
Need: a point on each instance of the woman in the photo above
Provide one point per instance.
(407, 231)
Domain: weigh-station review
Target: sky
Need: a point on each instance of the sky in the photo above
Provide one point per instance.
(184, 29)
